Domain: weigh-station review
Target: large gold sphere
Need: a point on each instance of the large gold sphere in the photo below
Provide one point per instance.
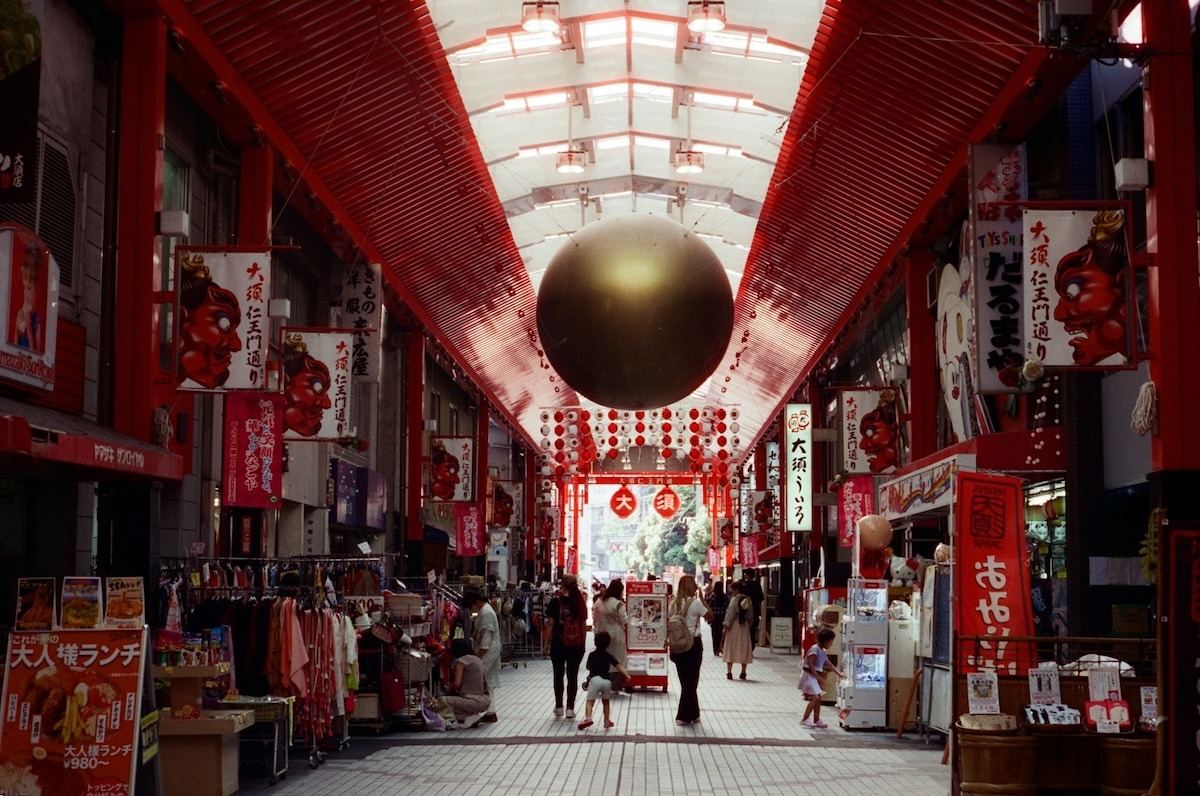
(635, 312)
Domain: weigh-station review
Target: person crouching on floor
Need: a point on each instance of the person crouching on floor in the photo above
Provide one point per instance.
(598, 684)
(468, 695)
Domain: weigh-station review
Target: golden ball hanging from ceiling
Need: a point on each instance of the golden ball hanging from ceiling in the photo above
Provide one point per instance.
(635, 312)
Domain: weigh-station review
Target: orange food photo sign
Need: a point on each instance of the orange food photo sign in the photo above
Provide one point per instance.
(71, 704)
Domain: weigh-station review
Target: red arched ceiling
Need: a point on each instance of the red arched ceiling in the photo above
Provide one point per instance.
(358, 98)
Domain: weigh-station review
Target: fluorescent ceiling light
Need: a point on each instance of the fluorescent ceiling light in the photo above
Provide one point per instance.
(572, 161)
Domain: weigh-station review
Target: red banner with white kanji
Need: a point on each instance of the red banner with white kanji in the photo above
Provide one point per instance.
(992, 575)
(572, 561)
(750, 550)
(71, 708)
(856, 499)
(468, 529)
(253, 472)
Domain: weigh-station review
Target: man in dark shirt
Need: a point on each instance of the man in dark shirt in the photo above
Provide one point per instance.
(754, 591)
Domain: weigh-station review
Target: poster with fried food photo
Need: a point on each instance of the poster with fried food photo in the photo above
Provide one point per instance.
(124, 603)
(80, 603)
(72, 712)
(35, 604)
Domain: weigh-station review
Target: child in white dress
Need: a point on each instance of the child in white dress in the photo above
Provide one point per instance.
(812, 678)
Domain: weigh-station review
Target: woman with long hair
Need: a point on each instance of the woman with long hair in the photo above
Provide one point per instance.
(691, 607)
(739, 618)
(564, 637)
(609, 616)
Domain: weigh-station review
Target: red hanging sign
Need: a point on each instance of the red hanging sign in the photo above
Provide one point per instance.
(572, 563)
(750, 550)
(714, 558)
(468, 529)
(253, 450)
(666, 502)
(993, 592)
(856, 499)
(623, 503)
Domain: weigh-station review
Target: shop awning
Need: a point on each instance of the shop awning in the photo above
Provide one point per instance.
(46, 435)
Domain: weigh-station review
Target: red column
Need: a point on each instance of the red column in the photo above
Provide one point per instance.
(414, 413)
(483, 412)
(136, 391)
(922, 357)
(1174, 321)
(1174, 326)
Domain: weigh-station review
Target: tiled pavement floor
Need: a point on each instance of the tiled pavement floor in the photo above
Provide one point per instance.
(749, 740)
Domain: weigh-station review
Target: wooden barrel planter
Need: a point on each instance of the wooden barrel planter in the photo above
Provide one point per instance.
(995, 762)
(1128, 764)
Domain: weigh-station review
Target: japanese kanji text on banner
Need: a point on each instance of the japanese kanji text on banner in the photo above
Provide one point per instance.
(993, 590)
(253, 450)
(315, 378)
(222, 315)
(797, 469)
(71, 703)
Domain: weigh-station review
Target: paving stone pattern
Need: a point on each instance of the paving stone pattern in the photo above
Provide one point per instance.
(749, 740)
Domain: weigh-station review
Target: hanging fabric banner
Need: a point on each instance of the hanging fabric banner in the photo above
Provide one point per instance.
(956, 348)
(468, 530)
(221, 318)
(452, 468)
(571, 565)
(856, 499)
(993, 588)
(765, 520)
(315, 380)
(997, 174)
(750, 550)
(504, 502)
(714, 558)
(253, 450)
(362, 311)
(1077, 287)
(870, 431)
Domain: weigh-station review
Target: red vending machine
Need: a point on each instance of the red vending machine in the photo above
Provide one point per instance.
(646, 639)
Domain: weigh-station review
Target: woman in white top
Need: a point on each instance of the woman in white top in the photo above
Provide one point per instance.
(687, 664)
(609, 616)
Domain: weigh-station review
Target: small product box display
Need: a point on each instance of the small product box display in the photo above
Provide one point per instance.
(1108, 716)
(1057, 715)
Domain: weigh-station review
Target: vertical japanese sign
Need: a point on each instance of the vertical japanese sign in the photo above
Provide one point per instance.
(1077, 287)
(870, 431)
(20, 84)
(571, 564)
(997, 174)
(362, 311)
(221, 318)
(993, 589)
(714, 558)
(253, 450)
(71, 705)
(28, 306)
(452, 468)
(504, 501)
(315, 381)
(468, 529)
(766, 522)
(749, 550)
(856, 499)
(797, 468)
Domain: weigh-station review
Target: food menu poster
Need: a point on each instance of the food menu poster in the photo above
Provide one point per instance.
(35, 604)
(81, 602)
(71, 705)
(125, 603)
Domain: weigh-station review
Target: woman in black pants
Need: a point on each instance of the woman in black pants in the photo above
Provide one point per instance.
(687, 664)
(565, 637)
(717, 603)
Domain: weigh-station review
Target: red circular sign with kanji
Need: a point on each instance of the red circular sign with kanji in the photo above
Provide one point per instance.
(666, 502)
(623, 503)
